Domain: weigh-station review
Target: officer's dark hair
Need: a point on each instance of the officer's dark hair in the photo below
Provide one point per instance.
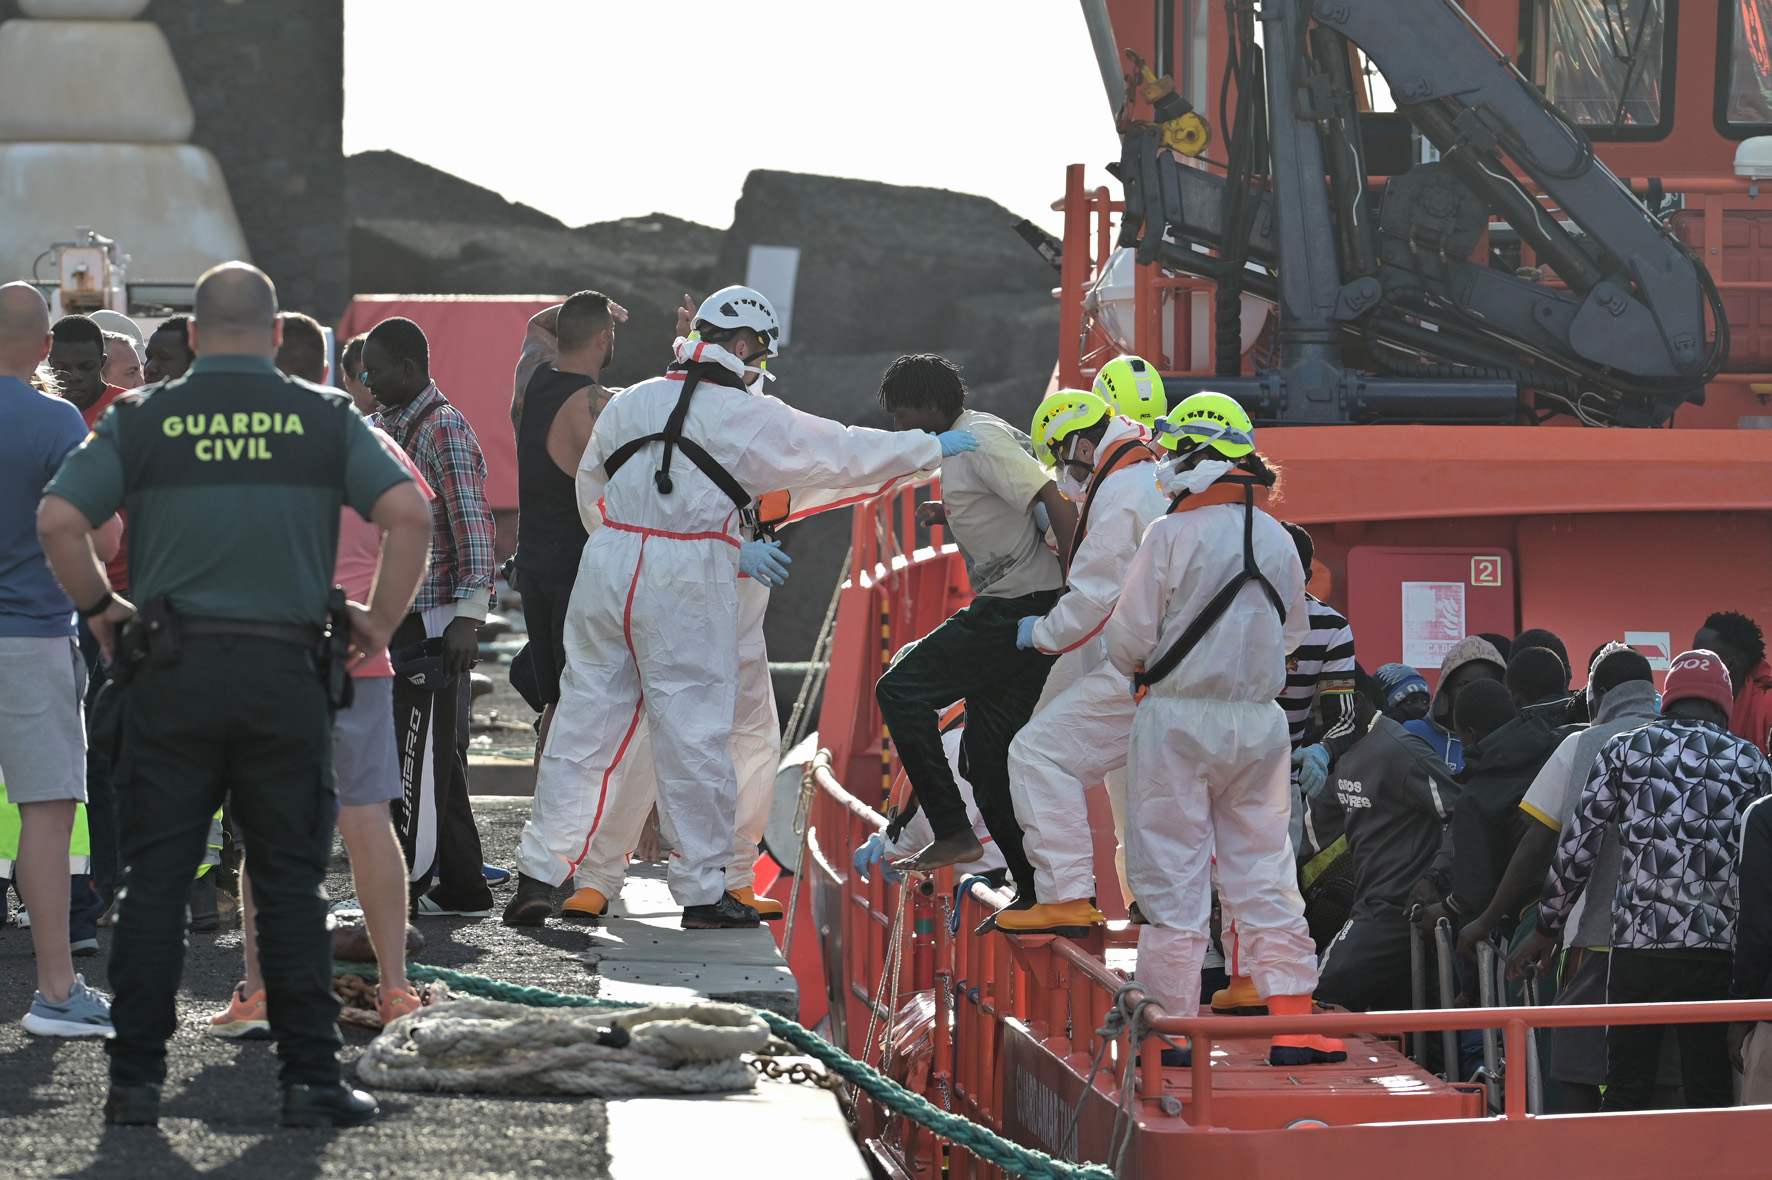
(303, 351)
(1539, 637)
(1301, 539)
(582, 317)
(1740, 633)
(350, 360)
(1484, 706)
(79, 329)
(179, 324)
(404, 341)
(1619, 667)
(1534, 673)
(923, 381)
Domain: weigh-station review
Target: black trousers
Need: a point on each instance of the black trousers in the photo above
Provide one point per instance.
(973, 657)
(440, 838)
(544, 614)
(1366, 966)
(1633, 1051)
(245, 720)
(101, 802)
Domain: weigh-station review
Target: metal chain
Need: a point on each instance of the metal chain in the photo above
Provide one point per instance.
(796, 1073)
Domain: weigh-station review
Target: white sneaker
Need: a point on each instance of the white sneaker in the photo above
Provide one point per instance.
(85, 1013)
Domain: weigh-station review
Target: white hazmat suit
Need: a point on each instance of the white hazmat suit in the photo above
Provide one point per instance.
(616, 828)
(653, 632)
(1208, 767)
(1079, 732)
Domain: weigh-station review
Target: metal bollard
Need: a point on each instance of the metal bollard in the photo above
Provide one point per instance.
(1491, 1046)
(1448, 1037)
(1534, 1077)
(1417, 982)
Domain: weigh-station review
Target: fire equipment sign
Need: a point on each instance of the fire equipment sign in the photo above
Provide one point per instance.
(1433, 621)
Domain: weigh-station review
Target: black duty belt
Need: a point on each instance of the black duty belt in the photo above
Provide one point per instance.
(296, 633)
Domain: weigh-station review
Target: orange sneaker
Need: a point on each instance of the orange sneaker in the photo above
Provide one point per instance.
(1073, 919)
(1301, 1049)
(391, 1006)
(1239, 999)
(767, 908)
(584, 906)
(243, 1019)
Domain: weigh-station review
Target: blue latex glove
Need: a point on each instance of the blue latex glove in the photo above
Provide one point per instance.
(1024, 631)
(954, 441)
(1042, 518)
(764, 561)
(1132, 688)
(1312, 764)
(871, 853)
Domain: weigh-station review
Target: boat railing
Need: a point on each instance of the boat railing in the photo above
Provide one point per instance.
(1058, 991)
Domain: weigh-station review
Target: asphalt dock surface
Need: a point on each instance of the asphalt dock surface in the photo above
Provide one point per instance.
(219, 1112)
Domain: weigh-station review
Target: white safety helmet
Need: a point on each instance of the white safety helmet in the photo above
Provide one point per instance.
(742, 308)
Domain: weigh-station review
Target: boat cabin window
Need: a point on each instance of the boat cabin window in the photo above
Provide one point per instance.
(1607, 64)
(1744, 69)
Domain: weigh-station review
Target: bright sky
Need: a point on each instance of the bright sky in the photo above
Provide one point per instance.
(597, 109)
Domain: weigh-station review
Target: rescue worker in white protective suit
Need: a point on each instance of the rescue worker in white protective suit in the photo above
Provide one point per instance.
(1213, 602)
(652, 633)
(620, 818)
(1078, 735)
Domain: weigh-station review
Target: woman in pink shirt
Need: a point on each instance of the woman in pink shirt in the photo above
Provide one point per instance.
(366, 767)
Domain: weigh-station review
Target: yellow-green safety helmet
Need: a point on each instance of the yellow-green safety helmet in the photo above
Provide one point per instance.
(1133, 387)
(1061, 415)
(1209, 419)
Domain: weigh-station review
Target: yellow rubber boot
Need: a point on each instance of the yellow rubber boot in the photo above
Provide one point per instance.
(1301, 1049)
(1073, 919)
(767, 908)
(1239, 999)
(586, 905)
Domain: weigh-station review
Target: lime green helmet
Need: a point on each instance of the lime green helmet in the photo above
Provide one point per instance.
(1133, 387)
(1209, 420)
(1061, 415)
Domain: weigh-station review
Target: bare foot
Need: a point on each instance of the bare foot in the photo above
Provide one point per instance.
(949, 850)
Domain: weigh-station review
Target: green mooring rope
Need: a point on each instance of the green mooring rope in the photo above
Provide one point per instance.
(980, 1141)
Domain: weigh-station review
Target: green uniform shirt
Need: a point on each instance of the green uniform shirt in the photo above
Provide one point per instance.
(232, 476)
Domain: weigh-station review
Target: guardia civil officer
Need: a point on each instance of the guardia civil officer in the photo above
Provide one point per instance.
(233, 476)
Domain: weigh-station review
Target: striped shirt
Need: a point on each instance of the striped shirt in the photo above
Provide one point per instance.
(1326, 655)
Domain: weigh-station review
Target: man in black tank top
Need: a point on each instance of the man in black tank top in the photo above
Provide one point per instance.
(555, 406)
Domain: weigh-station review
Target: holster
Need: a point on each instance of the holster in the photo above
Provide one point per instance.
(160, 632)
(335, 652)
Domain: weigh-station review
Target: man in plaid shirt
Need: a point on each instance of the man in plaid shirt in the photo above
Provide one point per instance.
(436, 821)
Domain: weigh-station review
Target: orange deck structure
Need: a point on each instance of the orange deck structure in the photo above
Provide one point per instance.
(1598, 534)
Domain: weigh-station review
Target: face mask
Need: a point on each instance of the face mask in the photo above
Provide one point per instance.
(1074, 489)
(1175, 481)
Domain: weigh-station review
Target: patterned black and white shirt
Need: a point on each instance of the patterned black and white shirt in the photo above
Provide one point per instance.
(1677, 789)
(1324, 660)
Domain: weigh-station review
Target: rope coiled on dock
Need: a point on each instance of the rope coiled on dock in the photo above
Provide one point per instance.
(980, 1141)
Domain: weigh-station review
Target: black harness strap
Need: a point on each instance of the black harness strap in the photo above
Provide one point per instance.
(672, 438)
(1106, 469)
(1221, 602)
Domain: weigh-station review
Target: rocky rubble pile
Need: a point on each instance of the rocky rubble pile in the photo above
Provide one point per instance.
(884, 269)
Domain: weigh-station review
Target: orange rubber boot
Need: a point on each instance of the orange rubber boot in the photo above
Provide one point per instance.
(585, 905)
(1239, 999)
(767, 908)
(1073, 919)
(1301, 1049)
